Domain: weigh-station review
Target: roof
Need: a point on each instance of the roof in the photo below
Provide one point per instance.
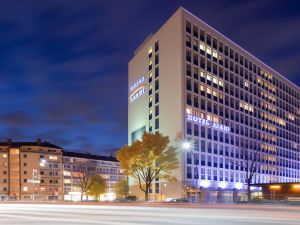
(89, 156)
(37, 143)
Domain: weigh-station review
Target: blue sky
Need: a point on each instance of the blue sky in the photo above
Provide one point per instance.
(63, 67)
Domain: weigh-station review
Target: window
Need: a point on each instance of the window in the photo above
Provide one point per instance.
(188, 99)
(189, 172)
(156, 110)
(188, 26)
(156, 46)
(150, 114)
(150, 52)
(189, 84)
(156, 97)
(156, 123)
(156, 59)
(156, 85)
(189, 128)
(150, 64)
(53, 157)
(188, 70)
(195, 31)
(188, 56)
(188, 41)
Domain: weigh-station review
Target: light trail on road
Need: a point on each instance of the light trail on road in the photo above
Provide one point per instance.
(33, 214)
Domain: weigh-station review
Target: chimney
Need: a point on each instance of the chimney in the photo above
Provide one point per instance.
(9, 141)
(38, 141)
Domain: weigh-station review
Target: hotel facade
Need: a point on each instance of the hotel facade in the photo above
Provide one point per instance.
(42, 171)
(191, 83)
(77, 163)
(30, 171)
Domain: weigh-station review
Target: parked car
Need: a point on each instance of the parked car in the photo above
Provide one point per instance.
(179, 200)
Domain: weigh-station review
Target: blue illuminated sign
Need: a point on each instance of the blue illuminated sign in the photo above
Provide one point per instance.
(207, 123)
(137, 89)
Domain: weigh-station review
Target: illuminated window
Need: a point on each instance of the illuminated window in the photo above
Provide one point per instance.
(150, 50)
(202, 47)
(201, 87)
(208, 50)
(53, 157)
(25, 188)
(209, 117)
(208, 76)
(215, 94)
(202, 74)
(14, 151)
(221, 83)
(208, 90)
(67, 173)
(215, 80)
(188, 110)
(67, 181)
(150, 74)
(5, 156)
(215, 54)
(215, 119)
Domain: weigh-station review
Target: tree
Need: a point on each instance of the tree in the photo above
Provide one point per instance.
(121, 188)
(97, 187)
(250, 166)
(84, 176)
(148, 159)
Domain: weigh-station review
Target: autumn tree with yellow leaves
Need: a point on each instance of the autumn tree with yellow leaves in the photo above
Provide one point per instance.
(148, 159)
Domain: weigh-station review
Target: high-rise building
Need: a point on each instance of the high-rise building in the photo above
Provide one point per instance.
(190, 82)
(30, 171)
(79, 167)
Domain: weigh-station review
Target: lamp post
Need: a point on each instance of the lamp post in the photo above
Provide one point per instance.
(187, 146)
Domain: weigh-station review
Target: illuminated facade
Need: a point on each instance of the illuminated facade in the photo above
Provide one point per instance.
(202, 87)
(77, 163)
(30, 171)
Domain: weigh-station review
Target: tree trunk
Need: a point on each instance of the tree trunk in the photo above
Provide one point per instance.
(248, 191)
(81, 196)
(147, 192)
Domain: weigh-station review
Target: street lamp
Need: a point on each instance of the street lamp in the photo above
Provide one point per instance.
(188, 147)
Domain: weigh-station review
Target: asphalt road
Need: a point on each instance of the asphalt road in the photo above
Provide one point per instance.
(33, 214)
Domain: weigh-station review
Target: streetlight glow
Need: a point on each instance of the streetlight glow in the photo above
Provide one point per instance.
(186, 145)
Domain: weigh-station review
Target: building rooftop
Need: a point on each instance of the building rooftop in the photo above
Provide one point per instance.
(39, 143)
(89, 156)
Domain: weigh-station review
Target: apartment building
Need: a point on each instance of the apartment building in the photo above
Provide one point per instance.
(190, 82)
(30, 171)
(76, 164)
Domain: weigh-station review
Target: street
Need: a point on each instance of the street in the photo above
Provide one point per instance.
(108, 214)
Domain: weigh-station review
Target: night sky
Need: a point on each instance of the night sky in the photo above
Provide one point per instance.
(63, 67)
